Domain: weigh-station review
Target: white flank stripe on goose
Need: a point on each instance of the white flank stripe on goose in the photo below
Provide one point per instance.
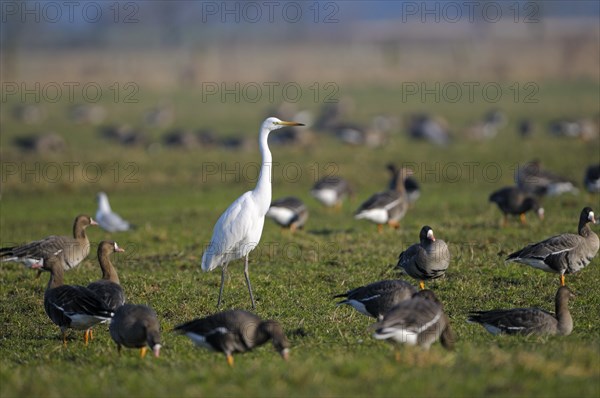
(282, 215)
(326, 196)
(358, 306)
(392, 204)
(379, 216)
(199, 340)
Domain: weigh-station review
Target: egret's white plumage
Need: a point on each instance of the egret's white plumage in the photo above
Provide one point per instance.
(238, 230)
(107, 219)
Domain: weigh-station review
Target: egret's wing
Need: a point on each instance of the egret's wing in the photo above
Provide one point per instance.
(230, 232)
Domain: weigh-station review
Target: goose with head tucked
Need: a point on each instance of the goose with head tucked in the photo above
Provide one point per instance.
(331, 191)
(419, 321)
(529, 320)
(377, 298)
(289, 212)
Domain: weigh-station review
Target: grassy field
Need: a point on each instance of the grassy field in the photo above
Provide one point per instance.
(175, 197)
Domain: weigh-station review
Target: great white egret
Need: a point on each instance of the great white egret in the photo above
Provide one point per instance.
(238, 230)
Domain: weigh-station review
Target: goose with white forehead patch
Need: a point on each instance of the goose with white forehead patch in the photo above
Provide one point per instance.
(428, 259)
(563, 254)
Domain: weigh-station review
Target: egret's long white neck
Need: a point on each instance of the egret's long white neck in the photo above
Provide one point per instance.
(263, 186)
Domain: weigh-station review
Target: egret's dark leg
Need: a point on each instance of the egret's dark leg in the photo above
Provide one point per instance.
(223, 272)
(248, 282)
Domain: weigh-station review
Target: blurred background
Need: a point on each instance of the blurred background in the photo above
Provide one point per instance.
(170, 44)
(124, 80)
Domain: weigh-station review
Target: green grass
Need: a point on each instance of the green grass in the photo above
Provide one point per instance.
(294, 276)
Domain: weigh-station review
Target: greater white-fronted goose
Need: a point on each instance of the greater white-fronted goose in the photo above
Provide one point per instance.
(411, 185)
(289, 212)
(375, 299)
(71, 306)
(108, 288)
(44, 143)
(419, 321)
(565, 253)
(513, 201)
(235, 331)
(529, 320)
(331, 191)
(430, 128)
(136, 326)
(591, 179)
(584, 129)
(74, 249)
(387, 207)
(426, 260)
(108, 219)
(487, 128)
(532, 178)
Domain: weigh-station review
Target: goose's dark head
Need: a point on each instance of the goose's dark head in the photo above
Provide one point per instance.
(426, 234)
(280, 342)
(531, 203)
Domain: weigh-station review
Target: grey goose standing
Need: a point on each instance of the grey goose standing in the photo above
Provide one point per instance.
(529, 320)
(428, 259)
(411, 185)
(565, 253)
(108, 288)
(74, 249)
(513, 201)
(419, 321)
(289, 212)
(387, 207)
(71, 306)
(136, 326)
(235, 331)
(331, 191)
(377, 298)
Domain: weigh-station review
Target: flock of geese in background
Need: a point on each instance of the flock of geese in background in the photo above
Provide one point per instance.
(331, 120)
(404, 314)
